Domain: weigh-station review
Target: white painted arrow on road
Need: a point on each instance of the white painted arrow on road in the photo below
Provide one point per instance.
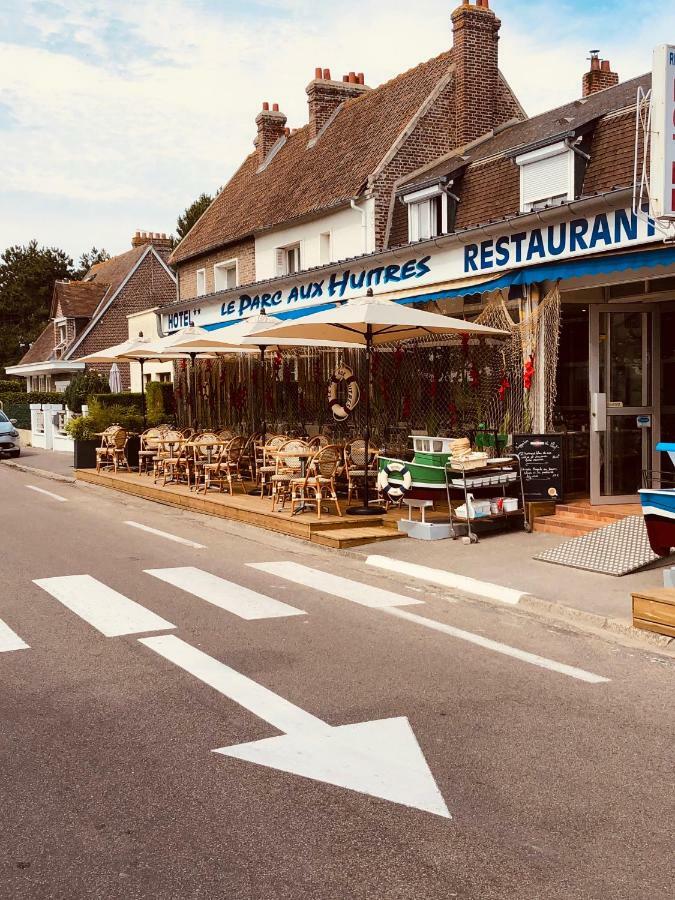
(380, 758)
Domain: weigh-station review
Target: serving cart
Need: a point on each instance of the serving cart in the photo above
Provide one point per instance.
(497, 480)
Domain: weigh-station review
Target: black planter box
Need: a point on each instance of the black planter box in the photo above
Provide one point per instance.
(85, 454)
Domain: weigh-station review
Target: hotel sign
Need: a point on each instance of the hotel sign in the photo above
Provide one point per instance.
(613, 230)
(662, 149)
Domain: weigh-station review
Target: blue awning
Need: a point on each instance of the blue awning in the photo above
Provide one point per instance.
(559, 271)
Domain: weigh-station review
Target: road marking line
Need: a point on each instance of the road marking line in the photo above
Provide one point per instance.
(165, 534)
(32, 487)
(355, 591)
(497, 647)
(232, 597)
(381, 758)
(9, 640)
(103, 608)
(448, 579)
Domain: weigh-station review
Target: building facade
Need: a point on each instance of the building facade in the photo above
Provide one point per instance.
(89, 315)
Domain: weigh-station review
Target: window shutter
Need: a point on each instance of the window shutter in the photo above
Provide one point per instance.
(280, 261)
(546, 178)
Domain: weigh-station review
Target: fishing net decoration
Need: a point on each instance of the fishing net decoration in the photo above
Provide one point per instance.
(438, 387)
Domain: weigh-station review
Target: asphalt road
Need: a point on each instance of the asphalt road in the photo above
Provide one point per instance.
(558, 784)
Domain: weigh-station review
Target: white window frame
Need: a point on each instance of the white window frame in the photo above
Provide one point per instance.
(282, 254)
(420, 204)
(226, 265)
(201, 273)
(566, 195)
(322, 235)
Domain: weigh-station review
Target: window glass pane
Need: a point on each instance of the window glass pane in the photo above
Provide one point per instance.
(625, 358)
(232, 277)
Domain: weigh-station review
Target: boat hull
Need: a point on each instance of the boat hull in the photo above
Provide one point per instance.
(428, 482)
(658, 509)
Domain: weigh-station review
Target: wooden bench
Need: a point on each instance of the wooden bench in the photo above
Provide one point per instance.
(654, 610)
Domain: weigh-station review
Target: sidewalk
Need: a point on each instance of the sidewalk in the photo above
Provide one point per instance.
(44, 462)
(505, 571)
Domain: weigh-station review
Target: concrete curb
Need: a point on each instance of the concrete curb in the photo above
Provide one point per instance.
(583, 620)
(39, 473)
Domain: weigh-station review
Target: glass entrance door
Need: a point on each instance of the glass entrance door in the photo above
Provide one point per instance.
(624, 381)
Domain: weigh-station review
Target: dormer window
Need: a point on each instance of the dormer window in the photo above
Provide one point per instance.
(225, 275)
(547, 176)
(429, 213)
(288, 259)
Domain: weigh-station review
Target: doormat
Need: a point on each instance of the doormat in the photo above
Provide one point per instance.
(616, 549)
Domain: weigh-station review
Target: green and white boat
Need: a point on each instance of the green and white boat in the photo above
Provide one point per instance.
(426, 473)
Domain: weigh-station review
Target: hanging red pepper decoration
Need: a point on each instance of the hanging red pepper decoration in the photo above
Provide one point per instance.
(503, 387)
(528, 373)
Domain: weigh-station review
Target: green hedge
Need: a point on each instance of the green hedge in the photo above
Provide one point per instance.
(12, 387)
(16, 405)
(131, 402)
(160, 402)
(18, 411)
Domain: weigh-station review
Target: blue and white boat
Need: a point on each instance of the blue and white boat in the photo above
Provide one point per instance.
(658, 509)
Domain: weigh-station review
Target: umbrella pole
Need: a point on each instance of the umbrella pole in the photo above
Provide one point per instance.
(143, 410)
(366, 509)
(257, 492)
(193, 390)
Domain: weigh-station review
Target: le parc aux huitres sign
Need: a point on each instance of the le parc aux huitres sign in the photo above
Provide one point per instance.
(390, 272)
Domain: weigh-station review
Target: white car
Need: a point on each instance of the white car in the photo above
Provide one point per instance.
(10, 441)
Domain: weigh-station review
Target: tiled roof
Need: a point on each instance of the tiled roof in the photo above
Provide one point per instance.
(77, 299)
(42, 347)
(555, 122)
(114, 270)
(301, 180)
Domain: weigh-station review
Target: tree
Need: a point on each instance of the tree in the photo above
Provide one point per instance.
(191, 214)
(88, 259)
(27, 276)
(83, 386)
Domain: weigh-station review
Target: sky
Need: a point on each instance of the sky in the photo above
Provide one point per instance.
(114, 116)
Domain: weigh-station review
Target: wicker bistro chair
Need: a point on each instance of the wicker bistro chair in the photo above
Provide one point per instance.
(288, 468)
(249, 455)
(226, 469)
(206, 448)
(318, 442)
(148, 449)
(167, 456)
(266, 465)
(355, 466)
(319, 482)
(112, 452)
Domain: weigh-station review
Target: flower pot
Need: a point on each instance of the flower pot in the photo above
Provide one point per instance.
(85, 454)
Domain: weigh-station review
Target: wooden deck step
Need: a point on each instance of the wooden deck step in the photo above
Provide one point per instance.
(341, 539)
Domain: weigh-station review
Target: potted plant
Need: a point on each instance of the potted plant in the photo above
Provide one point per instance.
(85, 442)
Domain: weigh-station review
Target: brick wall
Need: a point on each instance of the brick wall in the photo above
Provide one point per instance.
(149, 286)
(599, 77)
(475, 32)
(243, 251)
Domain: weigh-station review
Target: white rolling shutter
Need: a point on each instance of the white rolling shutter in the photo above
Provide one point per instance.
(546, 175)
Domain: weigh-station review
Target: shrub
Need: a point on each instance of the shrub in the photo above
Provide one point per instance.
(83, 428)
(83, 386)
(159, 401)
(16, 405)
(12, 387)
(131, 402)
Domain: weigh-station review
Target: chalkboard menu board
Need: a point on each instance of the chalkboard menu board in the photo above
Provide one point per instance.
(541, 458)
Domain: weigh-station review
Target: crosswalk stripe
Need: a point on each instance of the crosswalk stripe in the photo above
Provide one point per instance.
(234, 598)
(366, 595)
(9, 640)
(103, 608)
(356, 592)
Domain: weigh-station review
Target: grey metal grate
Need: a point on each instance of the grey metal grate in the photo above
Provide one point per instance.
(616, 549)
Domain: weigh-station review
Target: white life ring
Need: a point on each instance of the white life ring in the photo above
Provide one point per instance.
(397, 489)
(341, 410)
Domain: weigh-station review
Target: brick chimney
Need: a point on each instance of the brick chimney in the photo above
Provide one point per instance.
(271, 126)
(475, 31)
(161, 241)
(325, 95)
(599, 76)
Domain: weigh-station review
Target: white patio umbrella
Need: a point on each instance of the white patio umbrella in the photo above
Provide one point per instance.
(115, 379)
(139, 350)
(242, 337)
(367, 322)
